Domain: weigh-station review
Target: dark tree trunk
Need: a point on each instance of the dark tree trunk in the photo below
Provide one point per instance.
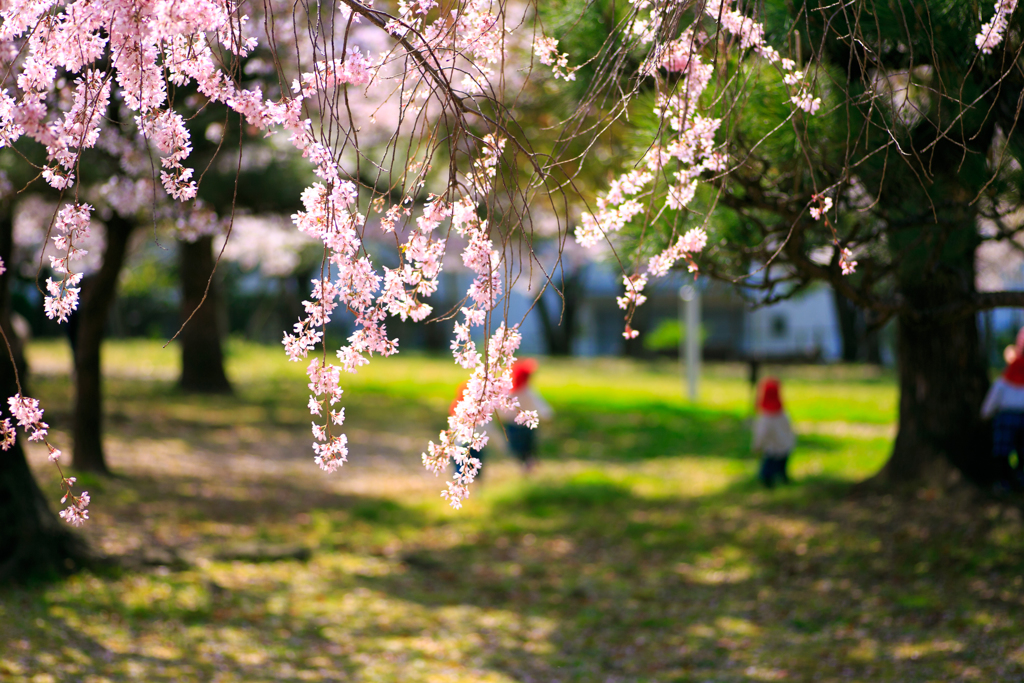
(33, 541)
(943, 373)
(202, 356)
(560, 322)
(97, 298)
(860, 340)
(872, 344)
(847, 313)
(943, 380)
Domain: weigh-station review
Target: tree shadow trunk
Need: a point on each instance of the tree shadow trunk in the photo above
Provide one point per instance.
(33, 541)
(202, 354)
(560, 323)
(943, 372)
(97, 297)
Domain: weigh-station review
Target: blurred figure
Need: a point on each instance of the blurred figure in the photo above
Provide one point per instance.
(522, 441)
(1005, 403)
(773, 435)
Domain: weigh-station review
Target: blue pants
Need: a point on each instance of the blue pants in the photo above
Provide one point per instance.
(522, 442)
(1008, 434)
(773, 466)
(1007, 437)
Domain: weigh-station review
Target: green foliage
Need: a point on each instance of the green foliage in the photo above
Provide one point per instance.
(667, 335)
(147, 277)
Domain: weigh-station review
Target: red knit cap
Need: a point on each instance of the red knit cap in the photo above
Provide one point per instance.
(1014, 373)
(769, 400)
(521, 371)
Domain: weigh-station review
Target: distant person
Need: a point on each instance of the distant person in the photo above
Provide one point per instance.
(522, 441)
(773, 435)
(1005, 403)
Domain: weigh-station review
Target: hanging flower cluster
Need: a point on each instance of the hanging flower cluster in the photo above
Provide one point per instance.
(692, 151)
(991, 34)
(29, 416)
(146, 47)
(71, 225)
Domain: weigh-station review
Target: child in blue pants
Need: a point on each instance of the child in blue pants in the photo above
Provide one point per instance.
(1004, 403)
(773, 435)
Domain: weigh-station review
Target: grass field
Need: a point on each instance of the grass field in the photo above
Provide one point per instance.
(640, 550)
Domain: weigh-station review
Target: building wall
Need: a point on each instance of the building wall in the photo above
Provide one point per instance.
(803, 327)
(806, 325)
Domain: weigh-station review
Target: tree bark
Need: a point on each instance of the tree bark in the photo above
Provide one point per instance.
(943, 380)
(846, 314)
(560, 325)
(943, 372)
(33, 541)
(202, 355)
(96, 299)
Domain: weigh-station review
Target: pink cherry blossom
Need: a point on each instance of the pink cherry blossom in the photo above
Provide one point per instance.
(846, 262)
(76, 514)
(991, 34)
(78, 65)
(29, 416)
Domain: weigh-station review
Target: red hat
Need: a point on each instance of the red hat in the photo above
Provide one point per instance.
(521, 371)
(769, 400)
(1014, 373)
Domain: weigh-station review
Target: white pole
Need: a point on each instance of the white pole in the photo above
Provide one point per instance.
(690, 298)
(683, 294)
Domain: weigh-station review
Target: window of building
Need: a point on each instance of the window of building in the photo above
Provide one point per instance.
(778, 326)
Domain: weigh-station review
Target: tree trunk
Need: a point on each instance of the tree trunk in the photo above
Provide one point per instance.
(943, 381)
(202, 356)
(861, 341)
(33, 541)
(560, 325)
(97, 297)
(846, 313)
(943, 373)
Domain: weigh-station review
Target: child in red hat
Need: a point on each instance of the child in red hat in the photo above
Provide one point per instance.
(1005, 403)
(522, 441)
(773, 435)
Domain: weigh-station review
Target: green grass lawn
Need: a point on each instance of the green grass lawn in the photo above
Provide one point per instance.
(640, 550)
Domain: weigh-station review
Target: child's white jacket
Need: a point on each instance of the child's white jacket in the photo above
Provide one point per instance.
(773, 434)
(1003, 396)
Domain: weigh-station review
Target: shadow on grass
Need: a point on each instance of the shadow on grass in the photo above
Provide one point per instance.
(237, 639)
(575, 580)
(803, 584)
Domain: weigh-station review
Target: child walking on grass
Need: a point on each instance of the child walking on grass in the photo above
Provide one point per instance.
(1005, 404)
(522, 441)
(773, 435)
